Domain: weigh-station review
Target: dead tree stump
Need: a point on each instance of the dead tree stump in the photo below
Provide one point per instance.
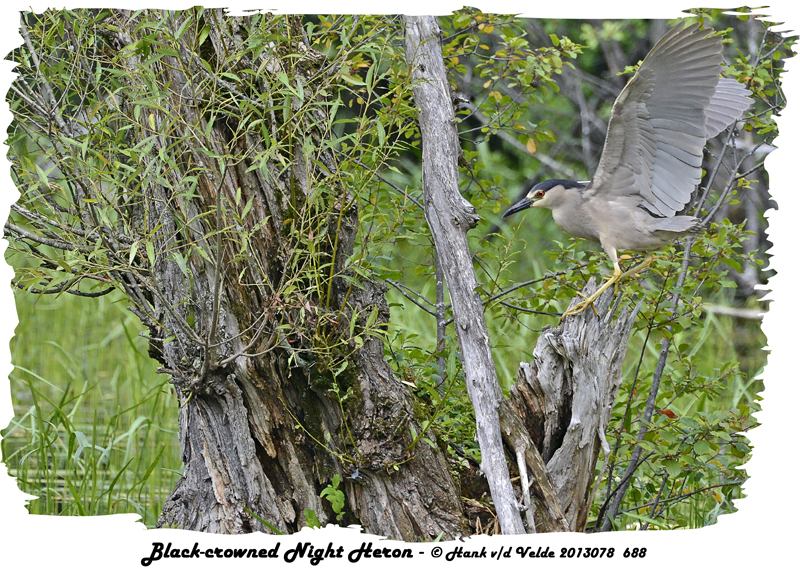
(564, 399)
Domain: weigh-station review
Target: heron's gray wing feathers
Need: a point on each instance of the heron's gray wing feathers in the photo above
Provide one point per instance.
(662, 119)
(728, 103)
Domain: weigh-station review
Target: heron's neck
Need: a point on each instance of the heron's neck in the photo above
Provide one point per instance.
(563, 199)
(569, 214)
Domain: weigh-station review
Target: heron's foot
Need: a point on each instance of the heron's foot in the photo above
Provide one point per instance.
(581, 307)
(583, 296)
(649, 258)
(589, 301)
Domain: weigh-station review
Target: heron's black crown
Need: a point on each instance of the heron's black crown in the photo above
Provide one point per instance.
(546, 185)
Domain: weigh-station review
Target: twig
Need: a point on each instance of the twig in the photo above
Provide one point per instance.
(656, 501)
(441, 328)
(212, 335)
(525, 486)
(624, 481)
(58, 244)
(526, 310)
(531, 282)
(714, 171)
(62, 287)
(728, 187)
(243, 352)
(651, 398)
(385, 180)
(400, 287)
(686, 495)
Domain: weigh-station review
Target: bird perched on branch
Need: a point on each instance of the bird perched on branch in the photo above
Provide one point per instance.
(653, 153)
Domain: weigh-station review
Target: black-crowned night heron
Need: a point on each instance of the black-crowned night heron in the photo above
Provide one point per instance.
(651, 161)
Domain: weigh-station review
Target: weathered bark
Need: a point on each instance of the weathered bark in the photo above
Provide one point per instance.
(449, 217)
(532, 469)
(564, 398)
(266, 433)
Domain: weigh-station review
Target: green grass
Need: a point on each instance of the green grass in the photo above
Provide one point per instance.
(95, 428)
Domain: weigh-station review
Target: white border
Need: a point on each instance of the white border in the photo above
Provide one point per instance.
(758, 533)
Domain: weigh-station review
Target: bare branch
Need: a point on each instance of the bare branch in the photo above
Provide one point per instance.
(449, 217)
(526, 310)
(63, 287)
(401, 288)
(58, 244)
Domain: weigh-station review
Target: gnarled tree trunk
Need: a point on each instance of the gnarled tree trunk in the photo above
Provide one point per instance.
(267, 433)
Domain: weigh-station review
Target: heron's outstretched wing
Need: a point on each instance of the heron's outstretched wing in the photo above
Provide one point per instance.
(662, 119)
(729, 102)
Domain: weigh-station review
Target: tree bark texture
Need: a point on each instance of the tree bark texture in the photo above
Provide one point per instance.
(564, 398)
(449, 217)
(266, 433)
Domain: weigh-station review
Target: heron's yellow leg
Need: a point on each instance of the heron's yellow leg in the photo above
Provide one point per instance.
(613, 280)
(647, 261)
(589, 301)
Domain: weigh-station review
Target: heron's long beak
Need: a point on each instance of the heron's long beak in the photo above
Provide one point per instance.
(518, 207)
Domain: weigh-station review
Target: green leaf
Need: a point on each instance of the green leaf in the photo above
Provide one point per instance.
(381, 132)
(673, 468)
(182, 29)
(178, 258)
(284, 79)
(341, 369)
(373, 316)
(312, 520)
(723, 435)
(702, 447)
(649, 446)
(689, 422)
(203, 34)
(351, 79)
(247, 207)
(353, 319)
(151, 253)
